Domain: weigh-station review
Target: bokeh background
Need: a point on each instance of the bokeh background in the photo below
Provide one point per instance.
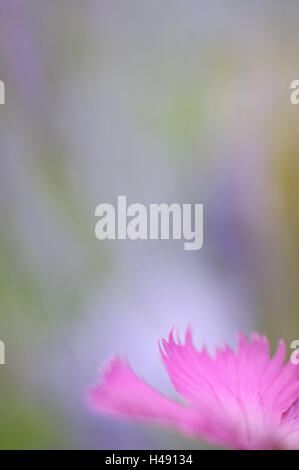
(164, 102)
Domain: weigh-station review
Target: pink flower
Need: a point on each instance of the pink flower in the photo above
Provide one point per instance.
(243, 399)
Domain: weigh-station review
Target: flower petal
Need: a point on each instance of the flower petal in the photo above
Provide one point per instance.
(120, 392)
(245, 392)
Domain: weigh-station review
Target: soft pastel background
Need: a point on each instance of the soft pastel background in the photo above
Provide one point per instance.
(165, 102)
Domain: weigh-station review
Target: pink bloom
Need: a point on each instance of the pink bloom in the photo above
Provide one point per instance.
(243, 399)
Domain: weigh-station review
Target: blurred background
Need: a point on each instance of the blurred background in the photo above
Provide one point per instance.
(167, 101)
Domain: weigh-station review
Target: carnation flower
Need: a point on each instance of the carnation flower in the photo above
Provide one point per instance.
(243, 400)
